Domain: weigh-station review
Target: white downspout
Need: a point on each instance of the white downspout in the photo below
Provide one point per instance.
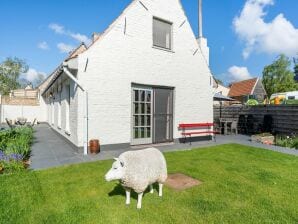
(68, 73)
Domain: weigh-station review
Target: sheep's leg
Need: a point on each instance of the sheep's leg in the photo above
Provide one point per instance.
(128, 196)
(160, 190)
(151, 189)
(140, 196)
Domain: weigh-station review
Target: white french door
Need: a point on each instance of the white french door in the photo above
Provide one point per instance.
(142, 116)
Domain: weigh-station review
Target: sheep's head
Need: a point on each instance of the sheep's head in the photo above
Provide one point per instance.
(116, 172)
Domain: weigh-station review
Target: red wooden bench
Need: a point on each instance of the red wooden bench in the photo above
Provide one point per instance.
(197, 129)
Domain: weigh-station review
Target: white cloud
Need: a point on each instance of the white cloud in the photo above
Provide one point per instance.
(59, 29)
(236, 73)
(65, 48)
(80, 37)
(274, 37)
(32, 75)
(43, 45)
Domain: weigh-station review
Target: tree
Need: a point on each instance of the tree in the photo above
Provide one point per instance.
(296, 68)
(40, 78)
(278, 76)
(10, 71)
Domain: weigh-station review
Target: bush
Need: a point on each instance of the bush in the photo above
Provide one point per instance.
(15, 147)
(287, 141)
(252, 102)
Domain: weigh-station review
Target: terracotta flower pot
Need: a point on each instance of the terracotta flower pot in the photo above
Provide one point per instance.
(94, 147)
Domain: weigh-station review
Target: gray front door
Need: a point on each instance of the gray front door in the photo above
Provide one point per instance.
(163, 115)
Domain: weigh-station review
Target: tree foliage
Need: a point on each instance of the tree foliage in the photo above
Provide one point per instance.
(278, 76)
(10, 71)
(296, 68)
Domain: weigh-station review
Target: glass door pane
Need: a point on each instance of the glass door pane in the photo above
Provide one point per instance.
(141, 116)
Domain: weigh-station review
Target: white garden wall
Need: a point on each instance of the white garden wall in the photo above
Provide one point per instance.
(12, 112)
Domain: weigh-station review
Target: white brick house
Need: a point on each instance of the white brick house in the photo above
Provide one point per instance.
(136, 83)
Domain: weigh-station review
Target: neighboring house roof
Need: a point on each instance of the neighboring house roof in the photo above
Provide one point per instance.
(243, 88)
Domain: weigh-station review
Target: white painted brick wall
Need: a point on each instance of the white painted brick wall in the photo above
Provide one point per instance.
(117, 60)
(73, 111)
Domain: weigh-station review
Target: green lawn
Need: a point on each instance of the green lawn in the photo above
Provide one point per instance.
(240, 185)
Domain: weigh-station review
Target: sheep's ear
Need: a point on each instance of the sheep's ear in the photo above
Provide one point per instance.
(116, 159)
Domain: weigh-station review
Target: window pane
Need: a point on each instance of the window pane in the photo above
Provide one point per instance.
(148, 96)
(136, 133)
(142, 93)
(136, 95)
(142, 108)
(142, 132)
(148, 108)
(162, 34)
(142, 120)
(148, 120)
(148, 132)
(136, 121)
(136, 107)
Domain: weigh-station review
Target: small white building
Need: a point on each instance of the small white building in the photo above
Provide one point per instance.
(135, 83)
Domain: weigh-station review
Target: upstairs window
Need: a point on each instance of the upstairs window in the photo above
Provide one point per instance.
(162, 34)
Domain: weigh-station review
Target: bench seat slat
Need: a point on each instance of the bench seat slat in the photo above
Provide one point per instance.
(199, 132)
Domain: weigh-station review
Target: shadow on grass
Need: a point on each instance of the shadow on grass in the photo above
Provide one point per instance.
(119, 190)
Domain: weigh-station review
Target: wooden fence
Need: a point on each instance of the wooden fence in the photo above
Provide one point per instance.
(284, 117)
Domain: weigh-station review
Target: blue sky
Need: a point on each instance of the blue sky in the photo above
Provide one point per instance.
(243, 35)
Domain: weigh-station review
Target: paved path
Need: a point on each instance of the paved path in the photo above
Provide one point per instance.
(51, 150)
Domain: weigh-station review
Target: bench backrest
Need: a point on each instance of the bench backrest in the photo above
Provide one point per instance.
(196, 125)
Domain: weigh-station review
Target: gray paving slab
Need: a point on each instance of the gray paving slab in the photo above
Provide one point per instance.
(50, 150)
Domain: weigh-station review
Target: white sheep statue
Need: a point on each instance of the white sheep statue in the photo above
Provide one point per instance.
(136, 170)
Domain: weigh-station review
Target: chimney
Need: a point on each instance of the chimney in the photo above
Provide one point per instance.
(95, 37)
(201, 40)
(200, 19)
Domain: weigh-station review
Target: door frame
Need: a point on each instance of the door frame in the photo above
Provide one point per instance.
(137, 86)
(141, 141)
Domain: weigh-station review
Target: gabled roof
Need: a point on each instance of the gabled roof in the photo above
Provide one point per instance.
(243, 88)
(48, 82)
(80, 49)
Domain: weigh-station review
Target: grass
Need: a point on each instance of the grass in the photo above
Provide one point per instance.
(240, 185)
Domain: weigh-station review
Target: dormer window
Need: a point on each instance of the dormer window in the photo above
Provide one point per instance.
(162, 34)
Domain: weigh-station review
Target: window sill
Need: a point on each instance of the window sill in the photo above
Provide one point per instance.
(163, 49)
